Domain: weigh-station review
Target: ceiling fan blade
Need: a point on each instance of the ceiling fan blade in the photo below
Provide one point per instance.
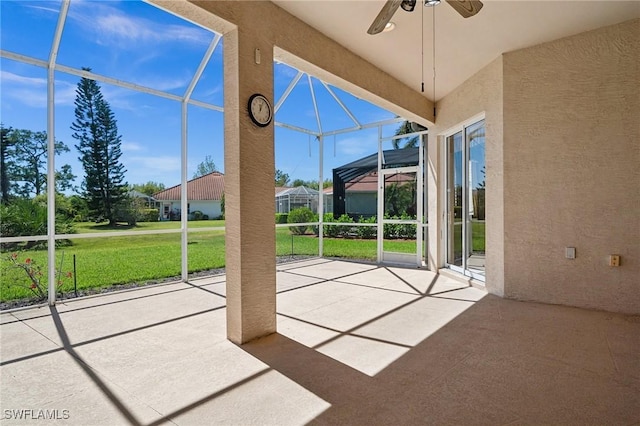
(384, 16)
(466, 8)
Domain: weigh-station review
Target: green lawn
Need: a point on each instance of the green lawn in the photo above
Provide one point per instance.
(86, 227)
(105, 262)
(477, 237)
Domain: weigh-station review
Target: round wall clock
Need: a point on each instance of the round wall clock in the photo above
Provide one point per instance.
(260, 110)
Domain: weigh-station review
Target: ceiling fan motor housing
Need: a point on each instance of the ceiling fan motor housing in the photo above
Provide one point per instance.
(408, 5)
(466, 8)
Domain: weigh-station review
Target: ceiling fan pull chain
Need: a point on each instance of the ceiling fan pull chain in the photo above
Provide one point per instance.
(434, 62)
(422, 47)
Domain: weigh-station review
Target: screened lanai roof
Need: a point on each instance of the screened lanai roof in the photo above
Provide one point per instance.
(298, 191)
(391, 158)
(329, 110)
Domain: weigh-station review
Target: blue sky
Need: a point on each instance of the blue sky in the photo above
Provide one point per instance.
(137, 43)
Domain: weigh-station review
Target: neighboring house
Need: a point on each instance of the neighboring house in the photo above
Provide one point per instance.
(361, 194)
(327, 196)
(204, 194)
(147, 200)
(355, 190)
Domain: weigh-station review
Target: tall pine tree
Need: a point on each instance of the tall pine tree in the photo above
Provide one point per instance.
(6, 163)
(96, 131)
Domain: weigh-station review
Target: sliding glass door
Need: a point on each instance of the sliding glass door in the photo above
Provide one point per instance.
(465, 200)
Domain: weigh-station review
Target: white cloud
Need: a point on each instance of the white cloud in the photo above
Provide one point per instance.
(111, 26)
(32, 91)
(65, 93)
(162, 168)
(43, 8)
(162, 163)
(30, 97)
(120, 98)
(131, 147)
(285, 71)
(356, 146)
(212, 91)
(165, 84)
(8, 77)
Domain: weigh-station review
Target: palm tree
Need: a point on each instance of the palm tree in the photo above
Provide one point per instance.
(404, 129)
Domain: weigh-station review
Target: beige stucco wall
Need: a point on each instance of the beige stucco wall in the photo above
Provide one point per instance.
(572, 169)
(563, 169)
(482, 93)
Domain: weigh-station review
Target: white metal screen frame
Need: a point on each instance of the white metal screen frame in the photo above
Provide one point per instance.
(419, 220)
(185, 100)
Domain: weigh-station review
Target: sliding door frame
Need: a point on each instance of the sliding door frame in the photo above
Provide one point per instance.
(447, 187)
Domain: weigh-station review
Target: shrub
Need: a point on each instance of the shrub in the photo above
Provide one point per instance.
(282, 217)
(367, 232)
(406, 230)
(390, 230)
(149, 215)
(197, 215)
(300, 215)
(315, 228)
(205, 217)
(36, 281)
(344, 231)
(80, 208)
(24, 218)
(64, 207)
(127, 212)
(330, 231)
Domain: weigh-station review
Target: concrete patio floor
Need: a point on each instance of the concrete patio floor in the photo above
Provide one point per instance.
(356, 344)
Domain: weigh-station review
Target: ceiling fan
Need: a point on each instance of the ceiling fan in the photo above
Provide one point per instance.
(466, 8)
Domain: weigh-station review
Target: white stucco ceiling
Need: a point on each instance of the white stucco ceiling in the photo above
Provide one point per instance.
(462, 46)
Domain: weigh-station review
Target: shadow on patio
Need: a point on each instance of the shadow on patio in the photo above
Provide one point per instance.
(357, 344)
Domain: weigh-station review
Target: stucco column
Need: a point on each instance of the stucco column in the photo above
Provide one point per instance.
(434, 204)
(249, 196)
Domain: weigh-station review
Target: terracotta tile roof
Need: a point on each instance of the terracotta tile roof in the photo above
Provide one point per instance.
(369, 182)
(209, 187)
(279, 189)
(365, 183)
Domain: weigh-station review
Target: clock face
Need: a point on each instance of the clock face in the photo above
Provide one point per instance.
(260, 110)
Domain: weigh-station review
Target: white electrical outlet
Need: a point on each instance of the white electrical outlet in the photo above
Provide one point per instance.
(614, 260)
(570, 252)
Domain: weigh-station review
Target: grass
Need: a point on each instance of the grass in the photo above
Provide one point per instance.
(117, 260)
(477, 237)
(87, 227)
